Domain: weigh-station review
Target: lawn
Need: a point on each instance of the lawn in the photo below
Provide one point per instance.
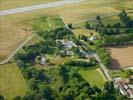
(10, 4)
(59, 60)
(93, 76)
(115, 74)
(85, 32)
(34, 40)
(12, 82)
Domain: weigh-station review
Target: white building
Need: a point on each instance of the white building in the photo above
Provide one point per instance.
(43, 61)
(67, 44)
(93, 38)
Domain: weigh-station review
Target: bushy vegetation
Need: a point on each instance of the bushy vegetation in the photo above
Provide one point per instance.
(104, 56)
(118, 40)
(84, 64)
(58, 33)
(115, 34)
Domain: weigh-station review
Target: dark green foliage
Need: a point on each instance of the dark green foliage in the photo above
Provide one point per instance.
(118, 40)
(16, 98)
(88, 26)
(84, 64)
(64, 72)
(104, 57)
(32, 83)
(46, 92)
(1, 97)
(70, 26)
(125, 19)
(58, 33)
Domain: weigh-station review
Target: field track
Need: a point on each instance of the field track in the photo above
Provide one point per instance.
(5, 61)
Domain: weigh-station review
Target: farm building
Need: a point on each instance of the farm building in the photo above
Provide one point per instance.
(66, 43)
(93, 38)
(124, 86)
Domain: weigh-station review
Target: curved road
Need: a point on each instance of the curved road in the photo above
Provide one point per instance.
(36, 7)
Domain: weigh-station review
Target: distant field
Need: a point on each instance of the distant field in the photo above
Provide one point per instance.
(14, 32)
(12, 82)
(124, 4)
(93, 76)
(122, 56)
(9, 4)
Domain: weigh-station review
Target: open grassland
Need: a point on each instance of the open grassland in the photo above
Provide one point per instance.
(14, 29)
(93, 76)
(121, 56)
(12, 82)
(124, 4)
(34, 40)
(85, 32)
(59, 60)
(10, 4)
(121, 73)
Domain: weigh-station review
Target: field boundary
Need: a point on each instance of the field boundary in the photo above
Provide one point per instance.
(8, 58)
(102, 17)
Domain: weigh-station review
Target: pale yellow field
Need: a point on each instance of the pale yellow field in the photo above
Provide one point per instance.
(10, 4)
(12, 82)
(122, 56)
(125, 4)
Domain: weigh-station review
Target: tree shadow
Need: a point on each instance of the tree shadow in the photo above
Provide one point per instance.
(115, 65)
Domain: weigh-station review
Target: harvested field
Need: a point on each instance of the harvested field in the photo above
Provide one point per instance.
(122, 56)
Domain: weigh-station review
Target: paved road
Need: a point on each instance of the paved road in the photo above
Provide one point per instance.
(5, 61)
(36, 7)
(103, 68)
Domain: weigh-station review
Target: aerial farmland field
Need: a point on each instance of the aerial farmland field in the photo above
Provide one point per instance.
(122, 56)
(65, 49)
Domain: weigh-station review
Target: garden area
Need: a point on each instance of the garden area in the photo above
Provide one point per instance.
(93, 76)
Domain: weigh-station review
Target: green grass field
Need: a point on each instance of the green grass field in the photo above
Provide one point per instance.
(122, 74)
(93, 76)
(34, 40)
(85, 32)
(12, 82)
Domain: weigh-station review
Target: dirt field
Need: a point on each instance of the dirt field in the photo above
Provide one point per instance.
(122, 56)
